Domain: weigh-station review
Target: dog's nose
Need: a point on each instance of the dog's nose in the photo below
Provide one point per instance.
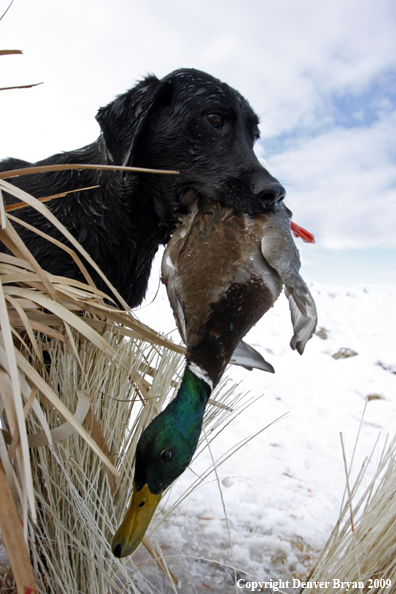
(272, 195)
(269, 191)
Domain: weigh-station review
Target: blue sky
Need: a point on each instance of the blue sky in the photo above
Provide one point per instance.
(321, 74)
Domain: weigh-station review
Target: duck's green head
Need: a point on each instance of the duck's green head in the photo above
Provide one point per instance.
(164, 451)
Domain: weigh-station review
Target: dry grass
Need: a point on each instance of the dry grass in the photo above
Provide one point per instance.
(7, 582)
(80, 503)
(47, 318)
(362, 547)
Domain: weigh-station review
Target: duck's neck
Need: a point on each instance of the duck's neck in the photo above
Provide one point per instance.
(186, 411)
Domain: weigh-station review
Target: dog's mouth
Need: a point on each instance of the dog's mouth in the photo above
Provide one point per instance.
(236, 193)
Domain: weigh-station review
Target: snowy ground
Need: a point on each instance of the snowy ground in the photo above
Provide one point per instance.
(282, 492)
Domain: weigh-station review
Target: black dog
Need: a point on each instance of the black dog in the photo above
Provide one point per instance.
(187, 121)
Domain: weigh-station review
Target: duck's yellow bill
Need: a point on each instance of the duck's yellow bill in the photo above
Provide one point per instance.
(129, 535)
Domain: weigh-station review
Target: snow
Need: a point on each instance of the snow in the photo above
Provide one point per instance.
(282, 491)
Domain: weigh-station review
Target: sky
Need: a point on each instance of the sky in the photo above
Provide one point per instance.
(320, 74)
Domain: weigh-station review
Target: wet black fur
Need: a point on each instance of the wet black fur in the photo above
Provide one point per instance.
(159, 124)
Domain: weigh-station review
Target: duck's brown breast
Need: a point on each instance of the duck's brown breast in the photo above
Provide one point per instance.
(223, 284)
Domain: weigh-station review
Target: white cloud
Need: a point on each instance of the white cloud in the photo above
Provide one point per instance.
(343, 184)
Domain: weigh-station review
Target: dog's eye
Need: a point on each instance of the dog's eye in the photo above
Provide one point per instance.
(216, 120)
(256, 136)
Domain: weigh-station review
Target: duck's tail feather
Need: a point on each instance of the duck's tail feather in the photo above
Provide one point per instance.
(304, 316)
(246, 356)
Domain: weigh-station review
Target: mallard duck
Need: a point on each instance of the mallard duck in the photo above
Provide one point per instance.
(223, 270)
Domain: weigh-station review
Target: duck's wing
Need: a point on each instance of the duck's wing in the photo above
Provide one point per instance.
(280, 251)
(246, 356)
(169, 278)
(303, 314)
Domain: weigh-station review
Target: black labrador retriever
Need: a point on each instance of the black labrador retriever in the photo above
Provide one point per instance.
(188, 121)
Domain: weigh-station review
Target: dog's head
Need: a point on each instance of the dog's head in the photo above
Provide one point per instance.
(192, 122)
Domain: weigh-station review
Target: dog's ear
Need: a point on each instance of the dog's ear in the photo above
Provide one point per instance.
(123, 120)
